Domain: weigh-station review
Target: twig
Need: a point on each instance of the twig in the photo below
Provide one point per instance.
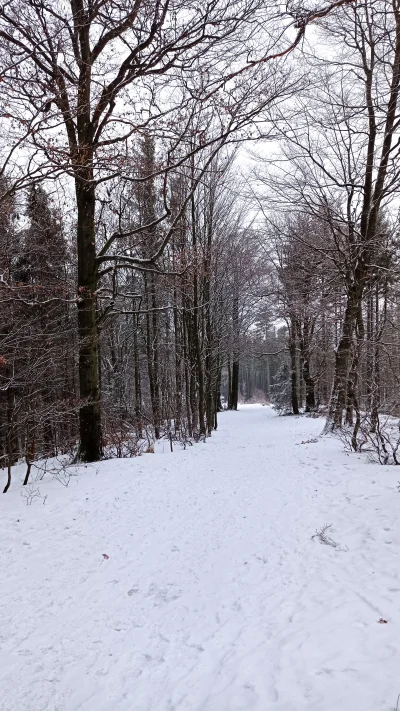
(324, 538)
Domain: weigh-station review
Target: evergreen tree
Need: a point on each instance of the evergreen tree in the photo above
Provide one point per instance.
(281, 391)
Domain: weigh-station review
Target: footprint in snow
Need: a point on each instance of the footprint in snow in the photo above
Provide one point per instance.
(162, 596)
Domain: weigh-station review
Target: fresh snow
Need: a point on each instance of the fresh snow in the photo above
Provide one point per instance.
(214, 596)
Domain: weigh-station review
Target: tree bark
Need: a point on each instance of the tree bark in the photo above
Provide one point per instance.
(152, 352)
(293, 367)
(90, 447)
(178, 365)
(138, 383)
(234, 394)
(235, 385)
(304, 343)
(343, 359)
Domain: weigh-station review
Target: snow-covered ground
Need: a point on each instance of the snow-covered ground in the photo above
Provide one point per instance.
(213, 596)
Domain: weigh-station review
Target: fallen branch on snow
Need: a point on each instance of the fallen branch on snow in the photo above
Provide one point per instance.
(322, 535)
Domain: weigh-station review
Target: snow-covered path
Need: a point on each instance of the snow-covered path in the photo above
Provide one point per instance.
(214, 597)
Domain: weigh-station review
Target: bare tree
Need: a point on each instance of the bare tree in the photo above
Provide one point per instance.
(93, 72)
(341, 159)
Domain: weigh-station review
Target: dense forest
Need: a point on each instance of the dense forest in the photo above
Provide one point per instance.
(199, 207)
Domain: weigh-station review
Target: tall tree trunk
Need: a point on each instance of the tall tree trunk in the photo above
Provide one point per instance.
(360, 333)
(152, 362)
(186, 360)
(234, 394)
(369, 349)
(375, 393)
(90, 447)
(235, 385)
(156, 360)
(138, 383)
(310, 387)
(196, 324)
(293, 366)
(351, 389)
(199, 359)
(192, 368)
(217, 399)
(304, 344)
(343, 359)
(178, 365)
(209, 360)
(229, 368)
